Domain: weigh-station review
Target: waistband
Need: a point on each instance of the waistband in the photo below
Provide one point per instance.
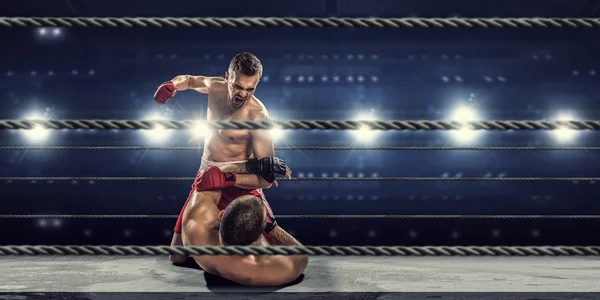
(207, 163)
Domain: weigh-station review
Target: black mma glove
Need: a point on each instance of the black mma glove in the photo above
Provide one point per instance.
(271, 224)
(266, 167)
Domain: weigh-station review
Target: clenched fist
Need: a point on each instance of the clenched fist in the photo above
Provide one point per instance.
(165, 92)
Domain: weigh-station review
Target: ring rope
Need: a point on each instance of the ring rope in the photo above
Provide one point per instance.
(513, 217)
(310, 179)
(301, 148)
(290, 22)
(305, 250)
(300, 125)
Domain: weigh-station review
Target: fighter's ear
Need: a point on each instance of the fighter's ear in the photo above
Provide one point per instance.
(220, 215)
(226, 75)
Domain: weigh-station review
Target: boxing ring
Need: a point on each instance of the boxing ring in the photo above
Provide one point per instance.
(355, 272)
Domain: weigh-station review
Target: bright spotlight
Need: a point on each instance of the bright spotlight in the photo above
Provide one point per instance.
(465, 135)
(34, 116)
(56, 31)
(42, 31)
(464, 114)
(159, 132)
(201, 130)
(364, 133)
(154, 116)
(564, 133)
(38, 133)
(276, 133)
(564, 116)
(365, 116)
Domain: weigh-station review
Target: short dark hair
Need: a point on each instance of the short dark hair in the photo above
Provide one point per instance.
(243, 221)
(246, 63)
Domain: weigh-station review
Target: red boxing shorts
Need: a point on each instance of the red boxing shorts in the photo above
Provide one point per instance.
(227, 196)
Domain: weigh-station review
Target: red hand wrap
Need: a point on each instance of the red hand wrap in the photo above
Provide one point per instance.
(214, 179)
(164, 92)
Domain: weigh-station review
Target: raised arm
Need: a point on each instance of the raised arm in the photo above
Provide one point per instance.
(201, 84)
(198, 83)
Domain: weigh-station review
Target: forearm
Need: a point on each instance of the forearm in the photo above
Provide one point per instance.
(182, 82)
(282, 238)
(189, 82)
(251, 182)
(243, 180)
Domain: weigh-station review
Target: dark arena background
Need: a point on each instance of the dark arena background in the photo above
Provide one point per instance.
(529, 183)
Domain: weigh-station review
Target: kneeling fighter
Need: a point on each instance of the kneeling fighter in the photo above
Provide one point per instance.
(245, 220)
(250, 176)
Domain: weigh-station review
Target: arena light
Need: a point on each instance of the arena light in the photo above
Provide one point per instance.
(462, 115)
(364, 133)
(201, 130)
(38, 133)
(276, 134)
(564, 133)
(159, 133)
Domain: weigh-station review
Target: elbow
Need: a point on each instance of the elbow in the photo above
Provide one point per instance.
(301, 265)
(292, 272)
(241, 277)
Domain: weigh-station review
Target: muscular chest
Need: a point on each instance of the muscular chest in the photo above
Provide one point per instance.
(229, 136)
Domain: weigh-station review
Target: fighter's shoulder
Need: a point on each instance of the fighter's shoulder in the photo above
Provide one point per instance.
(217, 83)
(256, 110)
(203, 198)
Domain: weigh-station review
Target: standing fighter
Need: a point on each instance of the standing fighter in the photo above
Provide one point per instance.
(232, 98)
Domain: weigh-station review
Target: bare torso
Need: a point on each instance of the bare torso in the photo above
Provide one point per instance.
(229, 145)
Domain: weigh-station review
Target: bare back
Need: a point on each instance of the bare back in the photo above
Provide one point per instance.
(200, 228)
(229, 145)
